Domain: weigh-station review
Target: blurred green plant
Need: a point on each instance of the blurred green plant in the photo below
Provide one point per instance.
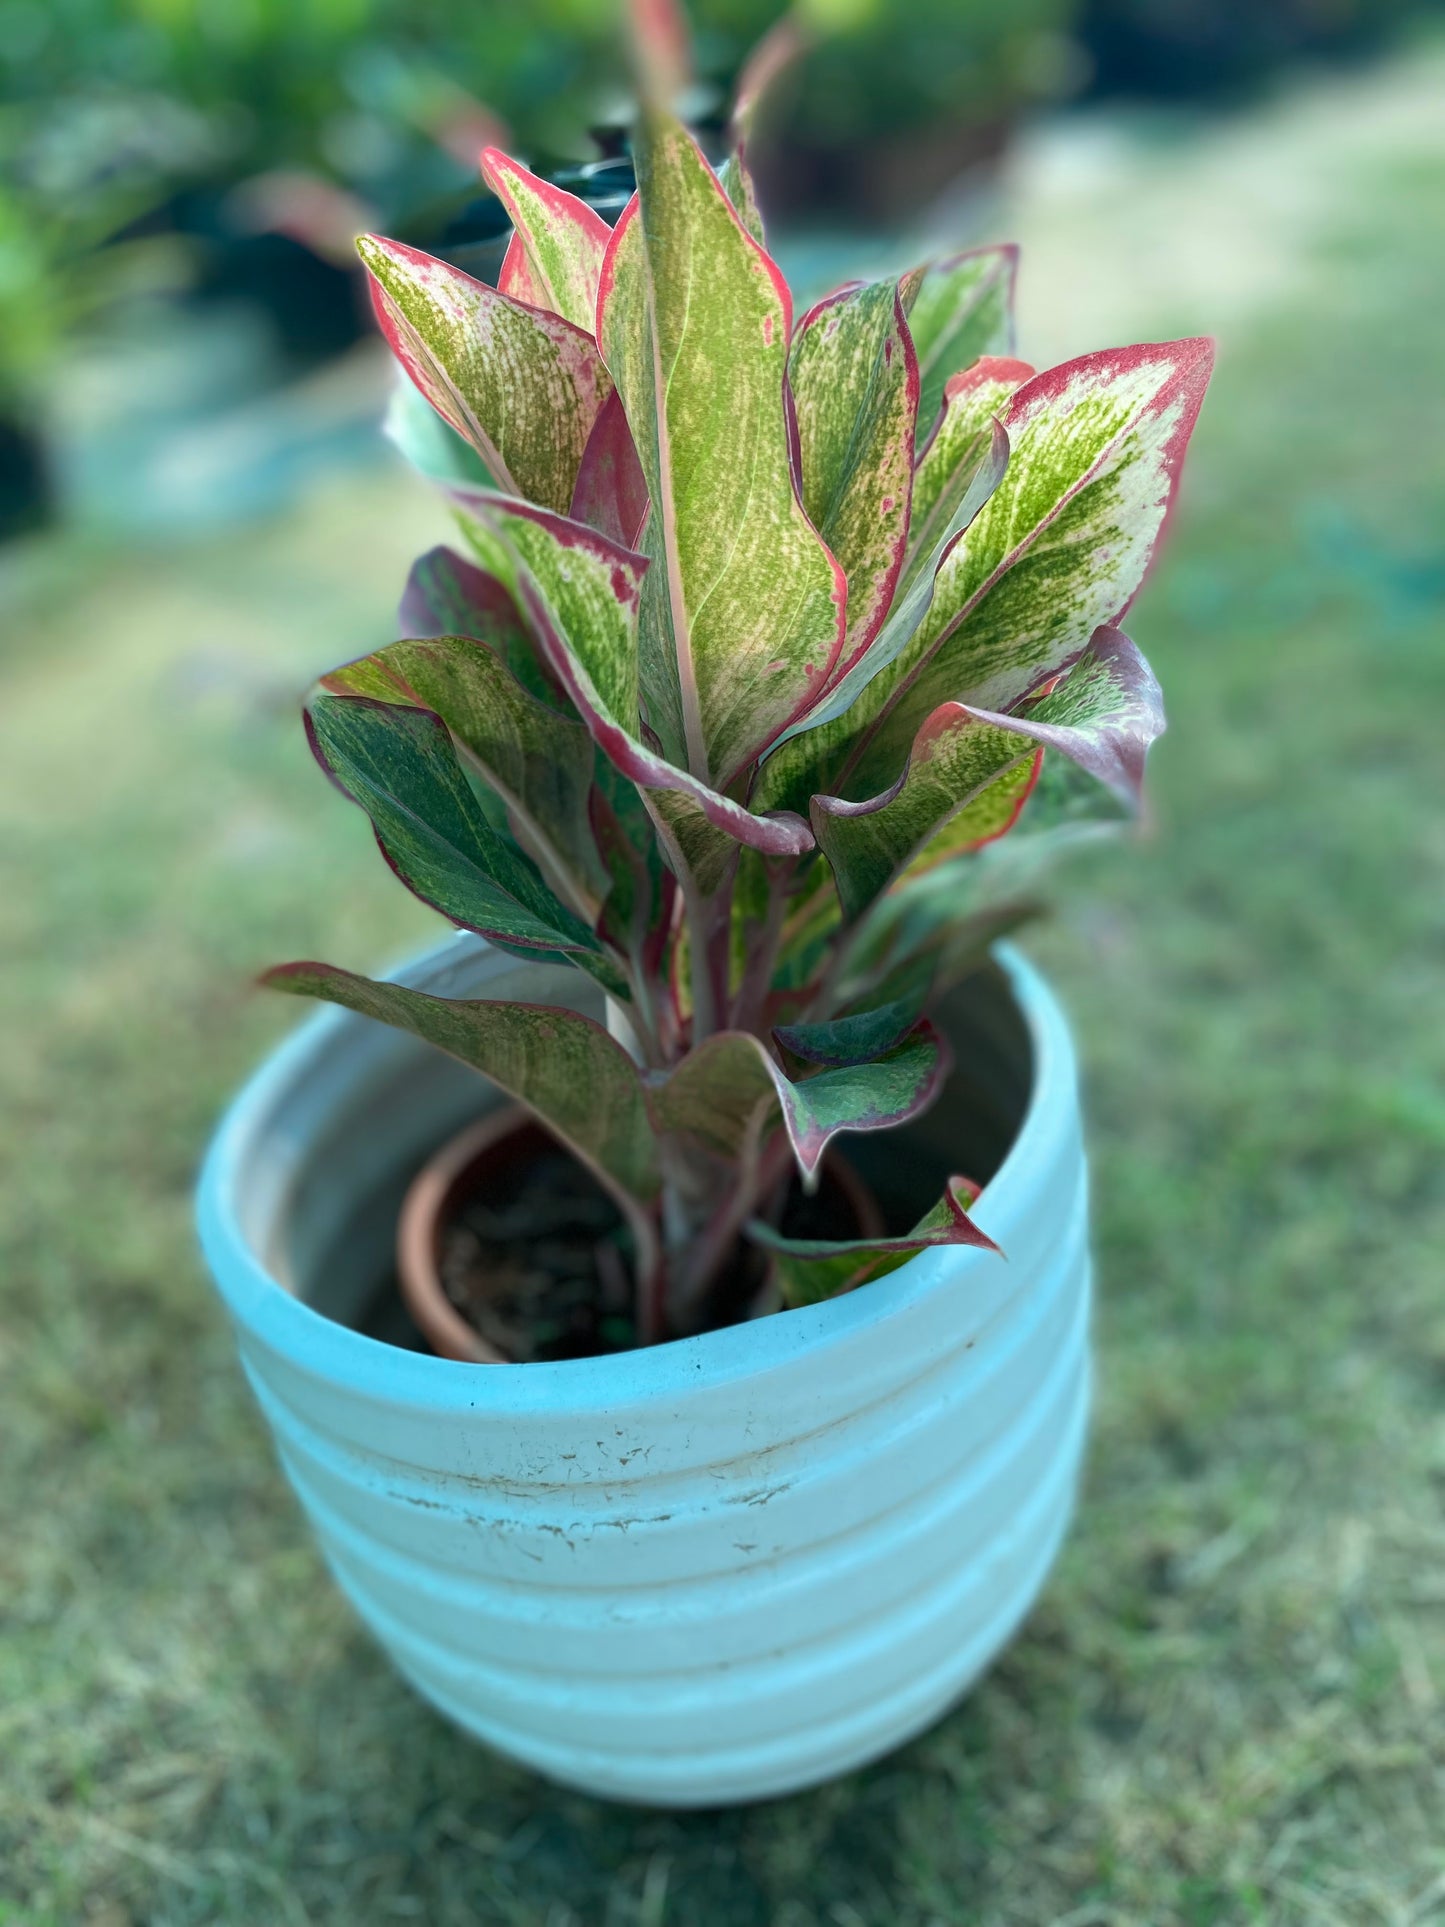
(111, 111)
(891, 101)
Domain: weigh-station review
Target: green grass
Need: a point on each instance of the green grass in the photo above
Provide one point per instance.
(1227, 1707)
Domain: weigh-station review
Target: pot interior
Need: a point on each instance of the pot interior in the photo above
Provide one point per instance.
(332, 1240)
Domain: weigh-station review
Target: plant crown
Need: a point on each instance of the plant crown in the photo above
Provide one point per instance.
(772, 658)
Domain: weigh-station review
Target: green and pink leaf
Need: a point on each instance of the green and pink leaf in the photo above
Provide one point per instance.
(563, 239)
(809, 1270)
(538, 762)
(564, 1067)
(521, 386)
(959, 309)
(956, 449)
(398, 763)
(811, 756)
(694, 321)
(1060, 548)
(724, 1091)
(611, 491)
(963, 777)
(580, 594)
(854, 381)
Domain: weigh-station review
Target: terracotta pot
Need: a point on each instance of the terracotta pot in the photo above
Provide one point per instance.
(507, 1139)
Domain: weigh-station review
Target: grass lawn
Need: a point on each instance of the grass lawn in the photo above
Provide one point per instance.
(1228, 1706)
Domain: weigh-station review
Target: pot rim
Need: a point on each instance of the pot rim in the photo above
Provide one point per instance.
(323, 1349)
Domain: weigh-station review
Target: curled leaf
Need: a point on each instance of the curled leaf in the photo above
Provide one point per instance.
(724, 1089)
(962, 774)
(810, 1270)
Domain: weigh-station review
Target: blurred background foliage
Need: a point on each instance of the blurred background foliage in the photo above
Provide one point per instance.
(195, 152)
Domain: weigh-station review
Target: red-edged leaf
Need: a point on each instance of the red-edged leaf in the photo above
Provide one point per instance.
(1060, 548)
(694, 320)
(963, 777)
(854, 381)
(809, 1270)
(564, 1067)
(957, 449)
(1103, 714)
(523, 387)
(564, 240)
(517, 278)
(611, 491)
(724, 1091)
(859, 1035)
(446, 595)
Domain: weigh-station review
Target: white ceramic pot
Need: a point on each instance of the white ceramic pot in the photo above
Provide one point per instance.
(710, 1571)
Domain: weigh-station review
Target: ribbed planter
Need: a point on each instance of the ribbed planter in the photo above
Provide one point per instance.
(713, 1570)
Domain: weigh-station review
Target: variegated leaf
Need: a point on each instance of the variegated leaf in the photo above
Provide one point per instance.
(1095, 724)
(810, 756)
(581, 595)
(448, 596)
(858, 1035)
(1060, 548)
(637, 913)
(564, 1067)
(725, 1091)
(611, 491)
(694, 320)
(956, 450)
(517, 277)
(809, 1270)
(538, 762)
(964, 777)
(737, 184)
(985, 818)
(564, 239)
(1102, 714)
(961, 308)
(854, 381)
(523, 387)
(399, 764)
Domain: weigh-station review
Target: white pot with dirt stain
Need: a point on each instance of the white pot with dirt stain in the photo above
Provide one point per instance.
(713, 1570)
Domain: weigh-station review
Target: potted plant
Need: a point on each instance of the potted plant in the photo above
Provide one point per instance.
(773, 660)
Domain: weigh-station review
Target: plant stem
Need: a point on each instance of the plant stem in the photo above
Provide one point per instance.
(709, 920)
(750, 1005)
